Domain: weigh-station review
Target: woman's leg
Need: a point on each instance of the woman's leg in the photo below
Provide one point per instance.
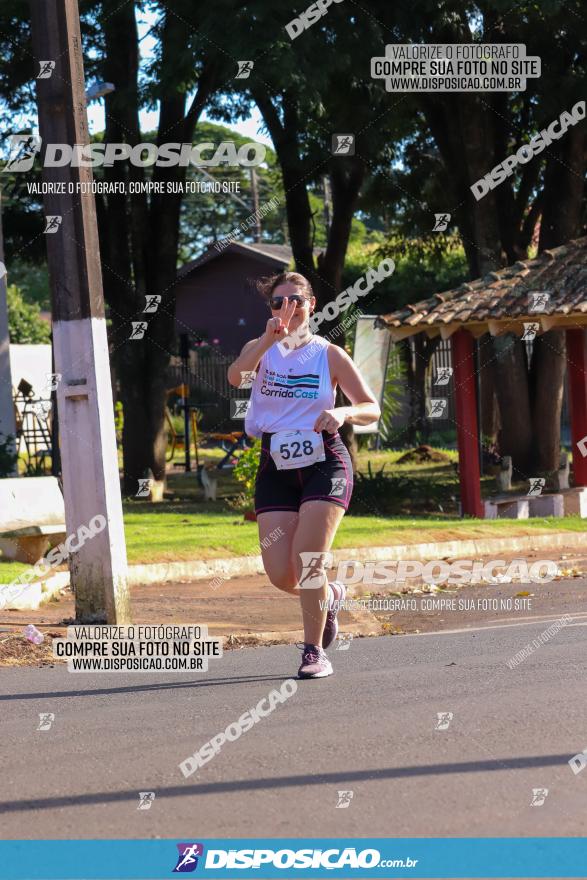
(277, 529)
(316, 528)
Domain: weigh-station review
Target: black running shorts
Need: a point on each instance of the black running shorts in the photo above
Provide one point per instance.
(329, 480)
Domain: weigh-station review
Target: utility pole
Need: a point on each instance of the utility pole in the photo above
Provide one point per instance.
(255, 194)
(7, 422)
(91, 482)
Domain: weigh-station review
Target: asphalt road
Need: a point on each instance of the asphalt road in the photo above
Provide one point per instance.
(369, 729)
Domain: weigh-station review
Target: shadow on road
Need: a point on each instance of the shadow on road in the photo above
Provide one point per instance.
(236, 785)
(135, 689)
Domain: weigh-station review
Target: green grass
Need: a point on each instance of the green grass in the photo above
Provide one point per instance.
(10, 570)
(188, 532)
(207, 535)
(185, 527)
(197, 532)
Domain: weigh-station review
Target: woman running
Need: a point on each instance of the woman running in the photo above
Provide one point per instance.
(305, 479)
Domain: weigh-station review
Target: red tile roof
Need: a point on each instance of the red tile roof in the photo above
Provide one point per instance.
(505, 295)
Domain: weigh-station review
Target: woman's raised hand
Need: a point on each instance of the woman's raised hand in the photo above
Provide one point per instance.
(278, 327)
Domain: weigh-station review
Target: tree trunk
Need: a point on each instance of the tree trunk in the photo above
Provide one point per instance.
(408, 362)
(511, 374)
(297, 203)
(141, 238)
(489, 410)
(132, 369)
(564, 184)
(563, 196)
(421, 426)
(346, 183)
(464, 134)
(121, 260)
(547, 375)
(346, 175)
(417, 353)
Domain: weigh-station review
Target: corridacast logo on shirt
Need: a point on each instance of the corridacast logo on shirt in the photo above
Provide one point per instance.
(293, 385)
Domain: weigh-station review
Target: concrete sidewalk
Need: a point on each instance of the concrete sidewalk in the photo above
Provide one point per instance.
(211, 570)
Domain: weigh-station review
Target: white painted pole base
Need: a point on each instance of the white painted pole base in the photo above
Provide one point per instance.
(91, 482)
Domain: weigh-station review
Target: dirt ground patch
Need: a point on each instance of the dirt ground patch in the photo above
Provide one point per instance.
(423, 454)
(16, 650)
(243, 611)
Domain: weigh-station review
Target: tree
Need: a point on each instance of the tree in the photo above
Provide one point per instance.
(139, 235)
(208, 216)
(414, 154)
(472, 133)
(25, 326)
(431, 263)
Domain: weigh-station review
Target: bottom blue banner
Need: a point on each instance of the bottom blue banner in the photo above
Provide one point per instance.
(530, 857)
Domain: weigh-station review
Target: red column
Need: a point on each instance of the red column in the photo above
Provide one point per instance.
(577, 382)
(467, 428)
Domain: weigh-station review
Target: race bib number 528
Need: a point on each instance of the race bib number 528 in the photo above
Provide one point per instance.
(296, 449)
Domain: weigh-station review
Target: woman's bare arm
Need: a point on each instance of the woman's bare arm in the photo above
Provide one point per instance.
(364, 408)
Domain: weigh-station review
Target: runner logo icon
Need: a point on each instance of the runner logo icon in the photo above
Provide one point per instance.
(23, 149)
(313, 567)
(187, 859)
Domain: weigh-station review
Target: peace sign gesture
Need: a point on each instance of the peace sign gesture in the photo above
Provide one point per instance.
(278, 327)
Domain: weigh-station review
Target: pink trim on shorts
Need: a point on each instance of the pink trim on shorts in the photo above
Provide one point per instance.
(331, 498)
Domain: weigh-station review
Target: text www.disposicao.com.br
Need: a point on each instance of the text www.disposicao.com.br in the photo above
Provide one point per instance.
(141, 664)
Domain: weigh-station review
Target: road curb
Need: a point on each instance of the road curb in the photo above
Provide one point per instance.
(248, 565)
(39, 592)
(34, 594)
(471, 547)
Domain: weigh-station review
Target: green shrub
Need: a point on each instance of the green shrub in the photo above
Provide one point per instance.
(401, 495)
(246, 468)
(25, 325)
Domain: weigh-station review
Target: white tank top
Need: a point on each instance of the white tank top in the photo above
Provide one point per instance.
(289, 392)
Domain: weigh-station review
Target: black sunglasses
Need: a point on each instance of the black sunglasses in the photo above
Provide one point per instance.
(277, 301)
